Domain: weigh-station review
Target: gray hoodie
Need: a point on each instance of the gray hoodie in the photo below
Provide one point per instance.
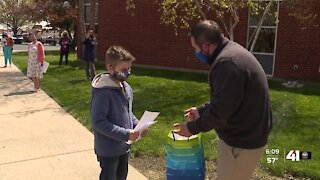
(111, 116)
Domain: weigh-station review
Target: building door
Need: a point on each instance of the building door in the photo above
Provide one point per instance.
(265, 46)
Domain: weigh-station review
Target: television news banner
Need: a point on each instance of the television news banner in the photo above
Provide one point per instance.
(273, 155)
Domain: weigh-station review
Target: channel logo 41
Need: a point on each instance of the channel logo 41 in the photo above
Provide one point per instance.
(296, 155)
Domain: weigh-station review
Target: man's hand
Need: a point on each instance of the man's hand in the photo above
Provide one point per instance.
(191, 114)
(181, 129)
(133, 135)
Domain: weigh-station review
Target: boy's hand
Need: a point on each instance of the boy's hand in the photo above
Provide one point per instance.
(191, 114)
(133, 135)
(181, 129)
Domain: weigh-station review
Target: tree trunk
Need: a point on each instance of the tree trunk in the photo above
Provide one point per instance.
(75, 37)
(225, 26)
(233, 22)
(258, 28)
(81, 27)
(14, 28)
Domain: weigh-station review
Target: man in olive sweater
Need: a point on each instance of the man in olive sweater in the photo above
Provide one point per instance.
(239, 108)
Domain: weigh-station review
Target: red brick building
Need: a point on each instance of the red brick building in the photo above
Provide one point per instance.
(285, 49)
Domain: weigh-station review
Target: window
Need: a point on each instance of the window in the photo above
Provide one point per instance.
(265, 46)
(266, 40)
(87, 12)
(87, 16)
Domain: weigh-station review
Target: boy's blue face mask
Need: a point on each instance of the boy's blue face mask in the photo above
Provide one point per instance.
(203, 58)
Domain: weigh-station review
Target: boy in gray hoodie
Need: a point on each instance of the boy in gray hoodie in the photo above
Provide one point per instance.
(111, 115)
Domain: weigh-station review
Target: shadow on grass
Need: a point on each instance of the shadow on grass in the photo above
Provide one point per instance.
(72, 63)
(170, 74)
(276, 85)
(47, 52)
(77, 81)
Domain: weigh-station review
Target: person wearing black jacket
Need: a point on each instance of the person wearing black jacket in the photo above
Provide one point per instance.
(239, 108)
(64, 42)
(90, 44)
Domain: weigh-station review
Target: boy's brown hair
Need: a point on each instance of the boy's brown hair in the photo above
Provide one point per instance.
(117, 54)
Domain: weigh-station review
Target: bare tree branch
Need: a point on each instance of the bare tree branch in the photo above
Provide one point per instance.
(224, 25)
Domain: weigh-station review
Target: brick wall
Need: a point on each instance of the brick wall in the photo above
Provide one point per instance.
(142, 34)
(297, 46)
(154, 44)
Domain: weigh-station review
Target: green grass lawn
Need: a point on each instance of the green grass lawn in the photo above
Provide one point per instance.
(296, 111)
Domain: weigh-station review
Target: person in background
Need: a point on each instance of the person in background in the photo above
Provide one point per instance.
(89, 55)
(64, 42)
(3, 44)
(7, 44)
(35, 61)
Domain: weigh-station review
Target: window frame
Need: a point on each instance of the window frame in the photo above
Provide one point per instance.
(265, 27)
(84, 9)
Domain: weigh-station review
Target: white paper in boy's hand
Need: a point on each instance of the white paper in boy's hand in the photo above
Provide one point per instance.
(44, 67)
(146, 121)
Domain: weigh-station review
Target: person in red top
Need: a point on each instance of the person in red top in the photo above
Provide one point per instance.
(64, 42)
(7, 49)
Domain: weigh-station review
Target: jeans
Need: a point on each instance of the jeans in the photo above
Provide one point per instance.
(7, 51)
(90, 69)
(114, 168)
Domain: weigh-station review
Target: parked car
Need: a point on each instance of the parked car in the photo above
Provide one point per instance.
(18, 39)
(50, 40)
(25, 37)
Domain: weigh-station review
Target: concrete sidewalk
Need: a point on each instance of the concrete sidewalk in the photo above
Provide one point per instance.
(38, 139)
